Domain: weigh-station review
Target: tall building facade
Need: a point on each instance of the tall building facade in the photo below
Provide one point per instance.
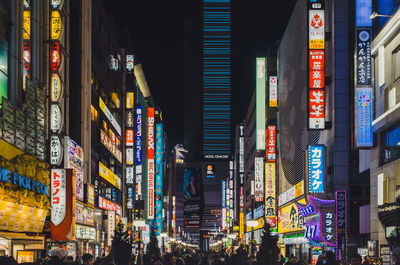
(384, 155)
(216, 141)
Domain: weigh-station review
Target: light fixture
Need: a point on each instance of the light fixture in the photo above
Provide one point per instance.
(139, 222)
(374, 15)
(252, 223)
(224, 239)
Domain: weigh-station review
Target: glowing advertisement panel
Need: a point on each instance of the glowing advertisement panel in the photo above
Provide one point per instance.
(273, 91)
(316, 168)
(159, 176)
(270, 194)
(364, 117)
(271, 144)
(316, 114)
(150, 163)
(259, 179)
(260, 103)
(363, 57)
(316, 29)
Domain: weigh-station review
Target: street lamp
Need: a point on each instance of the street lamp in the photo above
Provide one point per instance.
(374, 15)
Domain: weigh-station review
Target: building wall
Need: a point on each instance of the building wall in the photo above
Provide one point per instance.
(386, 117)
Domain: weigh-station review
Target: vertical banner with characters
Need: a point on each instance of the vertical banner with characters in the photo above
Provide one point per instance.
(270, 194)
(159, 177)
(150, 163)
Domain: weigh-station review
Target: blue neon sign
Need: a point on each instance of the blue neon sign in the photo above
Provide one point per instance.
(364, 116)
(316, 167)
(159, 177)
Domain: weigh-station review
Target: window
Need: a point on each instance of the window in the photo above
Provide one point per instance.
(391, 148)
(391, 97)
(396, 63)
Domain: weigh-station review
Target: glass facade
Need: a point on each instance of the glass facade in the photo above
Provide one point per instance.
(391, 147)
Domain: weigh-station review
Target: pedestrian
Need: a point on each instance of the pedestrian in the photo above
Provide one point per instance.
(87, 259)
(330, 258)
(320, 260)
(366, 261)
(7, 261)
(291, 261)
(157, 261)
(355, 259)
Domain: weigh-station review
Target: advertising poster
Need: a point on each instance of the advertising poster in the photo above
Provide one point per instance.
(289, 218)
(58, 196)
(191, 193)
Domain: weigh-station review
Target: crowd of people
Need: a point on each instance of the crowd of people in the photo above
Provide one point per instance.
(60, 257)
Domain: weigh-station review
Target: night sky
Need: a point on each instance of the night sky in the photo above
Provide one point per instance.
(164, 32)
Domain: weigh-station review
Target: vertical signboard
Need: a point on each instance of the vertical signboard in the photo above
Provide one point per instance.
(363, 100)
(138, 152)
(273, 91)
(270, 194)
(150, 163)
(316, 168)
(58, 196)
(159, 177)
(223, 204)
(316, 62)
(341, 221)
(258, 179)
(271, 143)
(241, 181)
(260, 103)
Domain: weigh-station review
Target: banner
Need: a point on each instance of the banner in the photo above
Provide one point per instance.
(110, 176)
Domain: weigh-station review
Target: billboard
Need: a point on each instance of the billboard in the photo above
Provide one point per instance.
(109, 116)
(191, 183)
(159, 176)
(273, 91)
(270, 194)
(150, 163)
(74, 160)
(316, 168)
(271, 143)
(110, 176)
(258, 179)
(290, 219)
(260, 103)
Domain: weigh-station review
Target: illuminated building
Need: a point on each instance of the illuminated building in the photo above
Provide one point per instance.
(216, 141)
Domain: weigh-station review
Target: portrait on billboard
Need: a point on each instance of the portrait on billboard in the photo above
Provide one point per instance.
(191, 183)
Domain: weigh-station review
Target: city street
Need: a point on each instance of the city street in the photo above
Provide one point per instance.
(199, 132)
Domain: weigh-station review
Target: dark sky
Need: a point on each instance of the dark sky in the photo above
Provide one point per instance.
(158, 30)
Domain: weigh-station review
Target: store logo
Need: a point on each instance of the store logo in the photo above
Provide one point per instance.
(317, 22)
